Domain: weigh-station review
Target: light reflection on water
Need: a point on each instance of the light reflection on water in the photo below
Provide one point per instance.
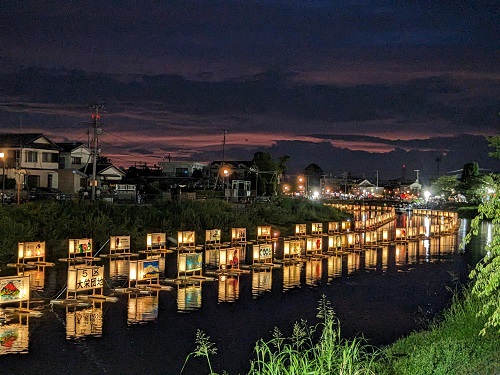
(262, 281)
(229, 288)
(85, 322)
(142, 309)
(291, 276)
(225, 291)
(188, 297)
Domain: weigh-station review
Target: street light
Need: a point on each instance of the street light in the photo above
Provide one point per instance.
(225, 181)
(2, 156)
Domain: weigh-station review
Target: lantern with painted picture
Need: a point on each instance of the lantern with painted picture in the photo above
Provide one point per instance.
(186, 238)
(314, 245)
(31, 251)
(292, 249)
(119, 244)
(229, 258)
(212, 237)
(264, 232)
(316, 228)
(346, 226)
(15, 290)
(190, 264)
(156, 241)
(300, 230)
(400, 234)
(145, 270)
(263, 253)
(333, 227)
(238, 235)
(80, 248)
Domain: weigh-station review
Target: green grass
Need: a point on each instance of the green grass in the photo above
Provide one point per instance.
(450, 346)
(311, 349)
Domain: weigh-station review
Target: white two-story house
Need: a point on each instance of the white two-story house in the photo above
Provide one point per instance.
(31, 159)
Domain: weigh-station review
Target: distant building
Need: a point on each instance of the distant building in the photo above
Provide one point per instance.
(237, 169)
(181, 168)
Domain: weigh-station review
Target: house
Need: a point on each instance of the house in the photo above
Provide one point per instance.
(72, 158)
(181, 168)
(107, 175)
(31, 159)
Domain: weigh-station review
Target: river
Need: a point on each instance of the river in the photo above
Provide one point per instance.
(383, 293)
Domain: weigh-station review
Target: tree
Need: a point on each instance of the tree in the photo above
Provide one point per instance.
(313, 173)
(445, 185)
(470, 182)
(486, 274)
(495, 143)
(266, 173)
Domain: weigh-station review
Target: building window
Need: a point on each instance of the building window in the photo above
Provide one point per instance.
(49, 157)
(31, 156)
(181, 172)
(76, 160)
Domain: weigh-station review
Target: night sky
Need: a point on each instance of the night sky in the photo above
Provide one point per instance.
(353, 86)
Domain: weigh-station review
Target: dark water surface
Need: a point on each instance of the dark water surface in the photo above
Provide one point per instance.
(382, 293)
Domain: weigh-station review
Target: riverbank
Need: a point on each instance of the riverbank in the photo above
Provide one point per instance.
(381, 306)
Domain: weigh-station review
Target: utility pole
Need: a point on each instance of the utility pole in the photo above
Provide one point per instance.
(376, 174)
(96, 132)
(224, 131)
(344, 175)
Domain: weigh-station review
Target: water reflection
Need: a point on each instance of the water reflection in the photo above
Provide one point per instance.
(37, 278)
(84, 322)
(188, 297)
(314, 270)
(334, 266)
(14, 337)
(142, 308)
(378, 257)
(262, 281)
(291, 276)
(119, 270)
(371, 259)
(229, 288)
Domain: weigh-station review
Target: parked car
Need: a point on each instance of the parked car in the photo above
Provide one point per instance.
(46, 193)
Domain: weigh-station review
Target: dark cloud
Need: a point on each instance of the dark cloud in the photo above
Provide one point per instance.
(349, 82)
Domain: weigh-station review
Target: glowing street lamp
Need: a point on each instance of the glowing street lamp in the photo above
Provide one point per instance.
(427, 195)
(225, 179)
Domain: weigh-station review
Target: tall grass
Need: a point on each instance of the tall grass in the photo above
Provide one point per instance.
(55, 222)
(311, 349)
(302, 354)
(451, 345)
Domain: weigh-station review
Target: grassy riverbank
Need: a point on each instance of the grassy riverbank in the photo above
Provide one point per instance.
(451, 345)
(56, 222)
